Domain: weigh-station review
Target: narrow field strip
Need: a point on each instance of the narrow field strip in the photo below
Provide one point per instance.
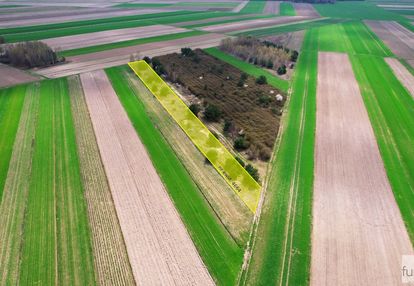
(354, 210)
(272, 7)
(253, 7)
(11, 104)
(14, 203)
(305, 9)
(249, 68)
(287, 9)
(110, 257)
(158, 245)
(224, 162)
(10, 76)
(218, 250)
(403, 74)
(56, 247)
(280, 252)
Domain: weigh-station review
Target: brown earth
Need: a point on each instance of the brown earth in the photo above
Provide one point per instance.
(401, 72)
(291, 41)
(215, 82)
(209, 20)
(305, 9)
(120, 56)
(240, 6)
(159, 248)
(111, 36)
(11, 76)
(272, 7)
(358, 235)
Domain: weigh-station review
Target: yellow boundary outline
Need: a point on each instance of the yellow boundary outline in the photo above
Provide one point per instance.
(223, 161)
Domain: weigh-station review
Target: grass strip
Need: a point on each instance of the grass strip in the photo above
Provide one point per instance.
(105, 47)
(254, 7)
(249, 68)
(11, 104)
(282, 246)
(287, 9)
(218, 250)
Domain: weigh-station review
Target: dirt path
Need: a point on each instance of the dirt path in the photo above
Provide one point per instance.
(272, 7)
(11, 76)
(159, 247)
(116, 57)
(358, 235)
(240, 6)
(401, 72)
(111, 36)
(305, 9)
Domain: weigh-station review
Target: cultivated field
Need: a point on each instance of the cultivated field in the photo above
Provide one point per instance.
(10, 76)
(145, 212)
(272, 7)
(112, 36)
(401, 72)
(354, 211)
(304, 9)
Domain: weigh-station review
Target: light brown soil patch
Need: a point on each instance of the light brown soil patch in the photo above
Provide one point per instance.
(305, 9)
(11, 76)
(291, 41)
(358, 234)
(240, 6)
(111, 36)
(272, 7)
(401, 72)
(159, 247)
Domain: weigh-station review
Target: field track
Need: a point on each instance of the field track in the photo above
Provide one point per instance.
(305, 9)
(272, 7)
(12, 76)
(120, 56)
(158, 245)
(110, 256)
(239, 7)
(404, 75)
(111, 36)
(357, 225)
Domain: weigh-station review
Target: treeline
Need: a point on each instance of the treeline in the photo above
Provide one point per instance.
(29, 55)
(262, 53)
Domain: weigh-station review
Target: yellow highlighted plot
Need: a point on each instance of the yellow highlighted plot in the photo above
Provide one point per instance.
(224, 162)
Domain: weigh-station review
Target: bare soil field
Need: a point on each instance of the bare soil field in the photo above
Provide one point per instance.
(11, 76)
(252, 24)
(272, 7)
(74, 17)
(116, 57)
(396, 37)
(159, 248)
(240, 6)
(291, 41)
(99, 4)
(206, 21)
(401, 72)
(402, 7)
(111, 36)
(358, 235)
(305, 9)
(109, 251)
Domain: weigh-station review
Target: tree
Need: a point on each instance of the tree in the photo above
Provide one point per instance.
(187, 52)
(261, 80)
(253, 172)
(281, 70)
(147, 59)
(241, 162)
(241, 143)
(157, 66)
(2, 40)
(212, 113)
(195, 108)
(294, 56)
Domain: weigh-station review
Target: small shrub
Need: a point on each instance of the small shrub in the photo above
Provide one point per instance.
(294, 56)
(261, 80)
(240, 160)
(269, 64)
(281, 70)
(240, 83)
(265, 154)
(147, 59)
(253, 172)
(243, 76)
(212, 113)
(264, 100)
(157, 66)
(241, 143)
(187, 52)
(227, 126)
(2, 40)
(195, 108)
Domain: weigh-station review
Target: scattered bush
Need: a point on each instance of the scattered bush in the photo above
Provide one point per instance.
(227, 126)
(195, 108)
(265, 100)
(281, 70)
(240, 160)
(147, 59)
(241, 143)
(265, 153)
(2, 40)
(157, 66)
(253, 172)
(187, 52)
(244, 76)
(261, 80)
(294, 56)
(212, 113)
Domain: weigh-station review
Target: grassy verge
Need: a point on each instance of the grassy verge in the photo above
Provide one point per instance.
(11, 103)
(287, 9)
(105, 47)
(249, 68)
(281, 248)
(56, 246)
(254, 7)
(218, 250)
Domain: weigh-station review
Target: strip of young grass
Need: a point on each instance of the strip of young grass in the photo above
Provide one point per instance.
(287, 9)
(11, 103)
(282, 244)
(249, 68)
(218, 250)
(105, 47)
(57, 247)
(254, 7)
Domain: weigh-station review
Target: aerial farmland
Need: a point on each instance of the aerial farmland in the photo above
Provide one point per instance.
(207, 142)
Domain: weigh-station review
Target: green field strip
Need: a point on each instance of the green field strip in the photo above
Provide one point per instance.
(105, 47)
(224, 162)
(281, 249)
(249, 68)
(142, 5)
(218, 250)
(254, 7)
(288, 28)
(57, 246)
(242, 18)
(287, 9)
(11, 103)
(207, 4)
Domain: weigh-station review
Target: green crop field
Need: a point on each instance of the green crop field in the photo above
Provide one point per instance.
(254, 7)
(281, 251)
(249, 68)
(219, 251)
(11, 102)
(105, 47)
(287, 9)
